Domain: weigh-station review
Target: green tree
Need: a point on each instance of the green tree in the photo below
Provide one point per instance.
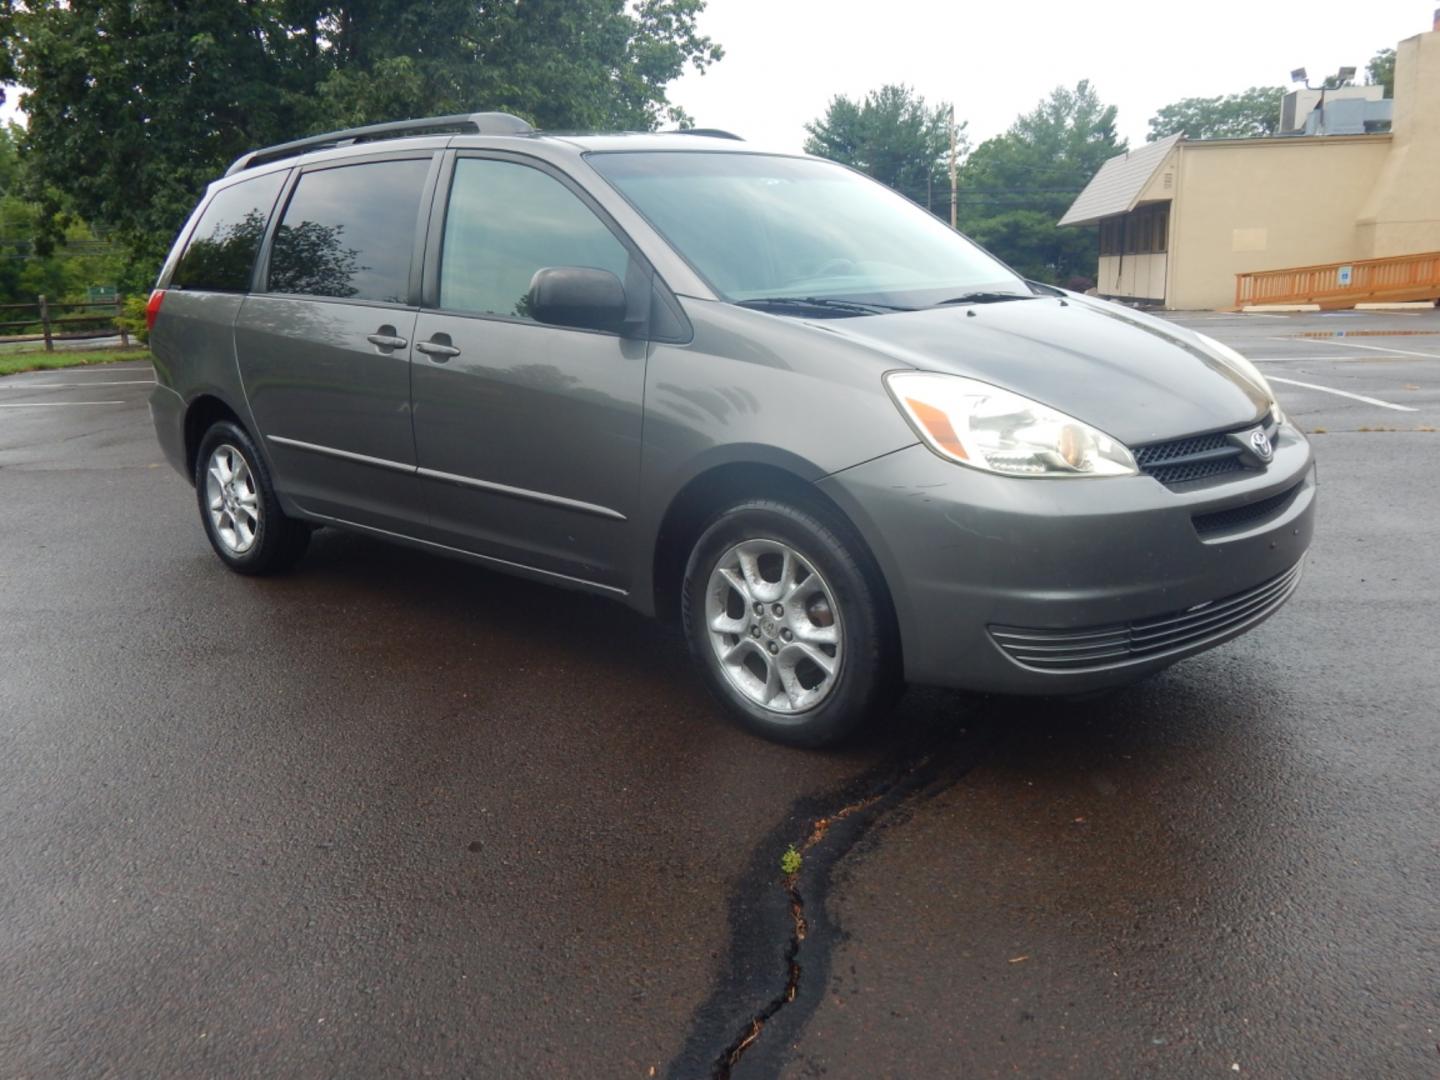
(1381, 70)
(891, 135)
(74, 259)
(576, 64)
(9, 156)
(1247, 115)
(135, 105)
(1016, 186)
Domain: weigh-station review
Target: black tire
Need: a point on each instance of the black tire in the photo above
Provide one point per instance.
(276, 542)
(867, 679)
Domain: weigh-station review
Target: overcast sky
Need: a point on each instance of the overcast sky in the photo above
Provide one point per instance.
(785, 59)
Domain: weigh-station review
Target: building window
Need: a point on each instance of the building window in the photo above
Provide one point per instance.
(1143, 232)
(1112, 236)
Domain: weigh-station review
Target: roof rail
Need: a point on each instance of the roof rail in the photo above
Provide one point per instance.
(481, 123)
(712, 133)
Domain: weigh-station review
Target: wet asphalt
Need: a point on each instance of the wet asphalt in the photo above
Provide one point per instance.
(397, 816)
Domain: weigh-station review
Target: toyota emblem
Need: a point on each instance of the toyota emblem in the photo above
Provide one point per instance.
(1260, 443)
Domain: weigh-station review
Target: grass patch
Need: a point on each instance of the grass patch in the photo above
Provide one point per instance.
(790, 862)
(16, 362)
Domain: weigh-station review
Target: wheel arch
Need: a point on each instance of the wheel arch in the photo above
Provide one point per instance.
(202, 412)
(704, 495)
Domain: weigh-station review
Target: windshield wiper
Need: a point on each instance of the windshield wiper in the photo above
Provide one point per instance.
(858, 307)
(985, 298)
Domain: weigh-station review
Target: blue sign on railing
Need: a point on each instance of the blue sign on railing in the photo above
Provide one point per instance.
(1342, 276)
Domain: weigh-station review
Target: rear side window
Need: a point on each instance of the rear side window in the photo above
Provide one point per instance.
(348, 232)
(504, 222)
(221, 252)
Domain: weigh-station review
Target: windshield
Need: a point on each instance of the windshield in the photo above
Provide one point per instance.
(758, 228)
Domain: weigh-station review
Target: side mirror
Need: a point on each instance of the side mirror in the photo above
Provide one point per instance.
(579, 296)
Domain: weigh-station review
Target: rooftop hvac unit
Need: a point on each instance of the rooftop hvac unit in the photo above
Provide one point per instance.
(1348, 116)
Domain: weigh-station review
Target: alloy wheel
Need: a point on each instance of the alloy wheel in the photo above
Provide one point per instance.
(774, 626)
(233, 499)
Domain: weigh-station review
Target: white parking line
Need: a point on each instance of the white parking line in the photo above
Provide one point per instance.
(1370, 348)
(1344, 393)
(51, 404)
(72, 385)
(1328, 358)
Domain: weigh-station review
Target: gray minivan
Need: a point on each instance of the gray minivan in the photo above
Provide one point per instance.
(757, 393)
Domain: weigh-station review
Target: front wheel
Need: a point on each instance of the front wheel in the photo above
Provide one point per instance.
(787, 624)
(239, 508)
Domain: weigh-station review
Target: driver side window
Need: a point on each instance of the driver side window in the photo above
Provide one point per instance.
(504, 222)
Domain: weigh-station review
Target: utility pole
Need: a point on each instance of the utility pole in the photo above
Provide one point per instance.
(954, 193)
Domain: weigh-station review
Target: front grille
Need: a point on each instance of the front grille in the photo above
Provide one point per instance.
(1196, 470)
(1096, 648)
(1158, 453)
(1196, 457)
(1237, 517)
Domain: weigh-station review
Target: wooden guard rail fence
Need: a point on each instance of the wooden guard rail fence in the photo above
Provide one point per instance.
(88, 319)
(1343, 285)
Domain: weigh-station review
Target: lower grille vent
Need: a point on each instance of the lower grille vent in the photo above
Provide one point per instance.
(1237, 517)
(1098, 647)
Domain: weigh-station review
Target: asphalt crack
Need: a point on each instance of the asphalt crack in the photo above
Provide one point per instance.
(732, 1054)
(772, 913)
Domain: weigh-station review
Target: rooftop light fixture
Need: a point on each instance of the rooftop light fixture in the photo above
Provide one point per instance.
(1342, 77)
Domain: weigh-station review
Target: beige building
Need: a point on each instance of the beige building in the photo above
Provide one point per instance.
(1179, 218)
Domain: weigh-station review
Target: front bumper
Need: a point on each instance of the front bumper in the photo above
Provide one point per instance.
(1012, 585)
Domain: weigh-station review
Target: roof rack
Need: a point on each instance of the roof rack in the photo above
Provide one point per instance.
(481, 123)
(713, 133)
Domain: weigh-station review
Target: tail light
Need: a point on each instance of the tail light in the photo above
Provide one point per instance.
(152, 309)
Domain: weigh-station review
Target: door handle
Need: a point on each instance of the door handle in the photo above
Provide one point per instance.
(439, 351)
(386, 341)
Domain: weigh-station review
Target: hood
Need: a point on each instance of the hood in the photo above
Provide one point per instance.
(1132, 376)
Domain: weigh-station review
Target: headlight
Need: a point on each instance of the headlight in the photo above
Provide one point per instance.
(1246, 370)
(982, 426)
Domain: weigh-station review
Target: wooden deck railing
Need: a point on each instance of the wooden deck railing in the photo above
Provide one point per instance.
(1344, 284)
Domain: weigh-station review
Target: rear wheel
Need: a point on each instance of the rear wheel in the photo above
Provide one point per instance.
(238, 506)
(789, 628)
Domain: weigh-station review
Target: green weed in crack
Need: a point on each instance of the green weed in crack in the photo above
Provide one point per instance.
(791, 864)
(783, 917)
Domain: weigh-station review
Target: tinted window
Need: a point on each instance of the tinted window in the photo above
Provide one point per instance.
(504, 222)
(349, 231)
(221, 252)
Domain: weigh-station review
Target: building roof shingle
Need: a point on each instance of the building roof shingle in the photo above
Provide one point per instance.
(1114, 189)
